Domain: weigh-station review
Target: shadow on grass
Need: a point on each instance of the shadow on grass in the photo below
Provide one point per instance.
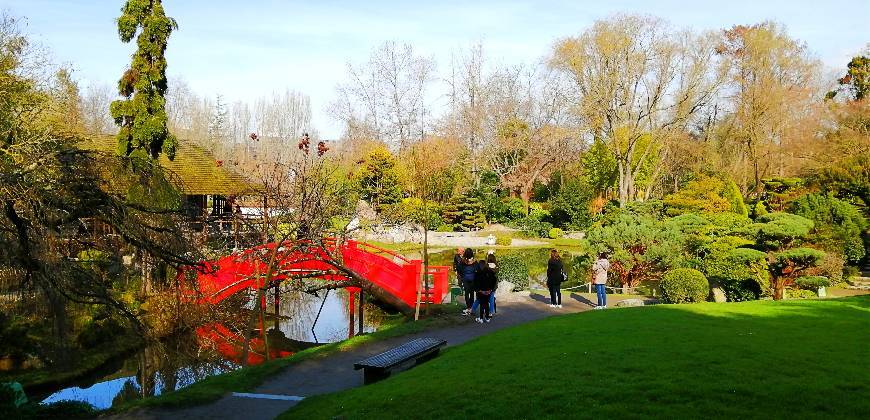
(763, 359)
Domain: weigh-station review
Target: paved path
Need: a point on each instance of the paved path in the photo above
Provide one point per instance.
(335, 372)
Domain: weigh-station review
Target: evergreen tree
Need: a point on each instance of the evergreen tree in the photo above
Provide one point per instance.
(141, 115)
(465, 213)
(378, 179)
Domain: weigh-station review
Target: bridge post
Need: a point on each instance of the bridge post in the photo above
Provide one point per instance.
(350, 310)
(361, 305)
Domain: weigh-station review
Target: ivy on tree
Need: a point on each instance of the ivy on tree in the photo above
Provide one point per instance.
(141, 115)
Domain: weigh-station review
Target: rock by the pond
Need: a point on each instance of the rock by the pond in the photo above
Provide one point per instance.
(505, 288)
(718, 295)
(630, 302)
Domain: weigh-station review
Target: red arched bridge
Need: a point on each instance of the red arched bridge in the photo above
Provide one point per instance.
(392, 277)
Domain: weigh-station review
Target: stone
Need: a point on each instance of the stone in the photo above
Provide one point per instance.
(718, 295)
(630, 302)
(505, 288)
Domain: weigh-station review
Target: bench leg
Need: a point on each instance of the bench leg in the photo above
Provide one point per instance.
(371, 375)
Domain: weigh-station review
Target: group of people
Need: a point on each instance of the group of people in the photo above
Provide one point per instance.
(479, 280)
(556, 275)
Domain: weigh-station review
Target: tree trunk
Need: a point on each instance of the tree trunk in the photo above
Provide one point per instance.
(778, 289)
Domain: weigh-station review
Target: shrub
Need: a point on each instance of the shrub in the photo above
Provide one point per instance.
(683, 285)
(741, 273)
(532, 227)
(445, 228)
(555, 233)
(99, 331)
(503, 240)
(801, 294)
(838, 224)
(812, 282)
(514, 269)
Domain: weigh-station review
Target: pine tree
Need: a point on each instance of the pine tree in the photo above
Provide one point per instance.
(141, 115)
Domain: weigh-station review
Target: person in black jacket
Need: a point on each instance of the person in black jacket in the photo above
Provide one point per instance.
(467, 272)
(457, 265)
(485, 284)
(555, 276)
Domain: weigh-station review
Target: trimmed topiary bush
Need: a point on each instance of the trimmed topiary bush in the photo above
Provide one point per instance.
(683, 285)
(512, 268)
(555, 233)
(503, 240)
(812, 282)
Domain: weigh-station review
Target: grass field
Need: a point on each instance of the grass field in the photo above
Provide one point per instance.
(763, 359)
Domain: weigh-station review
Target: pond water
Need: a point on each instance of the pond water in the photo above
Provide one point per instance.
(216, 348)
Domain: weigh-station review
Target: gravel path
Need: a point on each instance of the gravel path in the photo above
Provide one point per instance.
(335, 372)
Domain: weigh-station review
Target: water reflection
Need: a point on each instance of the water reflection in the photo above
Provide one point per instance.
(217, 347)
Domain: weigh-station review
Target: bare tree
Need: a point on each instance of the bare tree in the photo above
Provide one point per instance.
(95, 109)
(385, 97)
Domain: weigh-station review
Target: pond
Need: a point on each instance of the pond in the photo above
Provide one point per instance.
(215, 348)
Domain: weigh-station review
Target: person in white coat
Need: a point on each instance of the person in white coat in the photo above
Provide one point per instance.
(599, 278)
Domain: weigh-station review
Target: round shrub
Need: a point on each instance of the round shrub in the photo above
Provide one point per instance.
(555, 233)
(503, 240)
(512, 268)
(684, 285)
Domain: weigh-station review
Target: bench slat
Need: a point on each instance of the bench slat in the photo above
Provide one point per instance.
(397, 355)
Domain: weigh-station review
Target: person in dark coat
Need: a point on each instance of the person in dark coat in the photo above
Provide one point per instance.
(485, 283)
(457, 266)
(555, 276)
(467, 272)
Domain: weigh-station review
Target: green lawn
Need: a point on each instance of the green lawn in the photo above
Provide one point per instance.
(764, 359)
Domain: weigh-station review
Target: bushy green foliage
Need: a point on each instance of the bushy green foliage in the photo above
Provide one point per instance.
(569, 208)
(838, 224)
(802, 294)
(141, 114)
(849, 180)
(642, 247)
(464, 213)
(533, 227)
(99, 331)
(812, 282)
(513, 268)
(759, 210)
(555, 233)
(779, 230)
(705, 194)
(414, 210)
(378, 179)
(684, 285)
(741, 273)
(503, 240)
(779, 192)
(14, 341)
(791, 261)
(732, 193)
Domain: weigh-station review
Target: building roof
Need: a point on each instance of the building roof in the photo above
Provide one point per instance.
(197, 170)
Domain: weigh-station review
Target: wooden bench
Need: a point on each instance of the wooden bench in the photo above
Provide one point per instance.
(406, 356)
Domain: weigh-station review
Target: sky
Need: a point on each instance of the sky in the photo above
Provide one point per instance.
(247, 49)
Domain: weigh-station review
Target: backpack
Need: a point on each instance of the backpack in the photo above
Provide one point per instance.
(564, 276)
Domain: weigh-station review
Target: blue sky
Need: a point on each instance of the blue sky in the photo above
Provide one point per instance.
(246, 49)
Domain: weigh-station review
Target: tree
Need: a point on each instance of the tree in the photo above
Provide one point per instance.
(141, 115)
(771, 83)
(378, 180)
(465, 213)
(633, 77)
(95, 104)
(838, 225)
(856, 82)
(706, 194)
(781, 234)
(641, 247)
(385, 98)
(52, 193)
